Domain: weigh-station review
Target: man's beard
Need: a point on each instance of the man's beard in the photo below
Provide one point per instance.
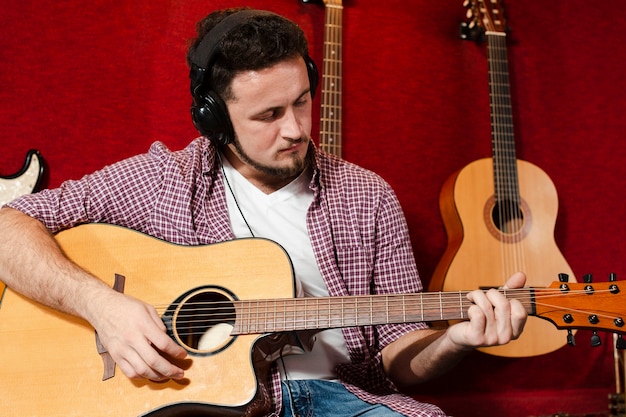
(299, 164)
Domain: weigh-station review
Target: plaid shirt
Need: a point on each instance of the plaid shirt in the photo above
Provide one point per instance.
(357, 229)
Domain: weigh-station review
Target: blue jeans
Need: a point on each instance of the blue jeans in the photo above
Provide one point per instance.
(315, 398)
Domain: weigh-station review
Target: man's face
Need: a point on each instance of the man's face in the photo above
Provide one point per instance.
(271, 115)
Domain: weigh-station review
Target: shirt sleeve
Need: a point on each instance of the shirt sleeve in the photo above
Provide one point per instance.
(122, 193)
(395, 270)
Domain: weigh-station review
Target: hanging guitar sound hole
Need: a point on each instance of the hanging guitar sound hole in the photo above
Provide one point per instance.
(506, 220)
(202, 320)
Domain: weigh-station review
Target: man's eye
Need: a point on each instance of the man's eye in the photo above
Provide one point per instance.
(267, 116)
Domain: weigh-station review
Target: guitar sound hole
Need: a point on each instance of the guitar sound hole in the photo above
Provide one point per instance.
(506, 220)
(203, 320)
(507, 216)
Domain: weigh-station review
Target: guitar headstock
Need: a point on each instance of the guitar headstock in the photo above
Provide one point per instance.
(485, 16)
(599, 306)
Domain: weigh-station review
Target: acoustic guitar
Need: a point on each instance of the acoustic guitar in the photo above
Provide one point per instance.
(231, 305)
(330, 139)
(500, 212)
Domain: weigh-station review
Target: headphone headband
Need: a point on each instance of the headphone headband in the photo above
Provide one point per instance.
(206, 48)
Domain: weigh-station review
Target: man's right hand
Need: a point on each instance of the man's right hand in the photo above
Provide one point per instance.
(135, 337)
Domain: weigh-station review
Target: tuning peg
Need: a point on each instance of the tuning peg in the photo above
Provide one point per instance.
(612, 277)
(587, 278)
(620, 343)
(563, 277)
(595, 339)
(570, 338)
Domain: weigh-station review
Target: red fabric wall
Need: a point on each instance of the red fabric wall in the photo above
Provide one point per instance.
(89, 83)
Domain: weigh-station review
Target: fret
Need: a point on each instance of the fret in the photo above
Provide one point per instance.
(269, 316)
(350, 310)
(252, 316)
(249, 317)
(440, 307)
(261, 317)
(403, 309)
(299, 315)
(387, 310)
(343, 323)
(310, 322)
(461, 312)
(279, 315)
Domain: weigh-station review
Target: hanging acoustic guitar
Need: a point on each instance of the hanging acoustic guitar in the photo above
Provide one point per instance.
(500, 212)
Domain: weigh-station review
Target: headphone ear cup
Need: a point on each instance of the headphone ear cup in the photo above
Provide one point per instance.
(210, 116)
(313, 73)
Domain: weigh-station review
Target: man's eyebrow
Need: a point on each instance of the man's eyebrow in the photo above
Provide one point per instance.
(274, 108)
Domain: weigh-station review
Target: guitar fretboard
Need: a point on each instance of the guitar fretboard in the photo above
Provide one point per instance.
(267, 316)
(502, 132)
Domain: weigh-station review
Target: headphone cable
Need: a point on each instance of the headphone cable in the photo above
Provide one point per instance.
(219, 156)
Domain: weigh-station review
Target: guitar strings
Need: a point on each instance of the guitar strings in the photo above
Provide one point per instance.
(531, 292)
(268, 312)
(432, 299)
(508, 201)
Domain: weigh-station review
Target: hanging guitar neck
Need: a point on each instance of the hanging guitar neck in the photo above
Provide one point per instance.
(330, 139)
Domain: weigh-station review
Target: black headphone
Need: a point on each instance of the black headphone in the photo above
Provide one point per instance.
(208, 111)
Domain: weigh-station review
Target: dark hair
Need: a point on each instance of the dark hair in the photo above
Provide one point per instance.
(261, 42)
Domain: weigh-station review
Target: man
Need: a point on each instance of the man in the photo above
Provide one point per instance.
(255, 172)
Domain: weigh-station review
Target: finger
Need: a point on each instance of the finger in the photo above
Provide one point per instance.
(165, 344)
(482, 320)
(517, 280)
(162, 341)
(150, 364)
(518, 318)
(502, 316)
(134, 367)
(480, 299)
(477, 323)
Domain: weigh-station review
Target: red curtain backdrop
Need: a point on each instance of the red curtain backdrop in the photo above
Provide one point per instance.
(89, 83)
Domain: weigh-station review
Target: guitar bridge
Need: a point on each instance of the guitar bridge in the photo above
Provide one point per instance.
(107, 361)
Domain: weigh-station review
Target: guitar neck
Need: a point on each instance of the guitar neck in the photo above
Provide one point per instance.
(502, 132)
(279, 315)
(331, 107)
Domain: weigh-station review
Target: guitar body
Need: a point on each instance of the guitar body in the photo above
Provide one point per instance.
(49, 361)
(480, 254)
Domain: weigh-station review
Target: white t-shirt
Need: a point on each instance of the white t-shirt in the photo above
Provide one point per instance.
(281, 217)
